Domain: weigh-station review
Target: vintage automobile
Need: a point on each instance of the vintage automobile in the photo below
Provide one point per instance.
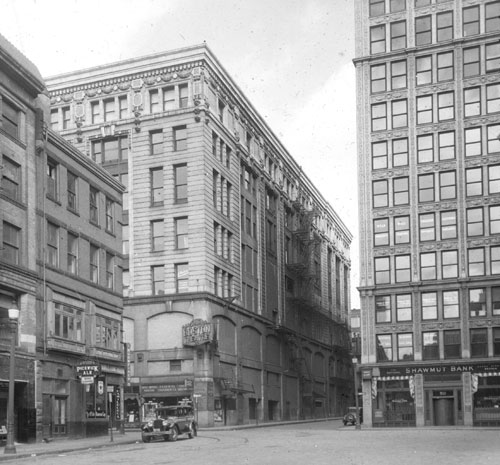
(169, 422)
(350, 416)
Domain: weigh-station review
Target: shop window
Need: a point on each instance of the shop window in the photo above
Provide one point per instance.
(398, 75)
(444, 26)
(451, 307)
(445, 66)
(427, 266)
(476, 261)
(403, 307)
(158, 279)
(379, 155)
(402, 230)
(478, 343)
(405, 346)
(446, 145)
(475, 224)
(473, 143)
(380, 194)
(401, 191)
(379, 116)
(449, 264)
(383, 309)
(429, 305)
(381, 232)
(477, 302)
(424, 70)
(384, 348)
(492, 17)
(474, 181)
(426, 187)
(452, 344)
(424, 109)
(470, 18)
(398, 35)
(377, 39)
(472, 102)
(402, 268)
(472, 62)
(448, 224)
(423, 30)
(425, 148)
(382, 270)
(427, 227)
(430, 345)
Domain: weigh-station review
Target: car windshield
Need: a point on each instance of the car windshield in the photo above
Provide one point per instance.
(166, 412)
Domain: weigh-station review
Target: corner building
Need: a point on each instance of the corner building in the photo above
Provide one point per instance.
(428, 103)
(236, 269)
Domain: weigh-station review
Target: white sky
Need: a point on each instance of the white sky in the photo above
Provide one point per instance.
(291, 58)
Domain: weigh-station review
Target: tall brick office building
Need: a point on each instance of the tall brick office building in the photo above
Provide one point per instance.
(225, 238)
(428, 82)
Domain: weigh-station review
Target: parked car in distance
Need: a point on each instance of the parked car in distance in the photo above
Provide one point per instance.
(350, 416)
(169, 422)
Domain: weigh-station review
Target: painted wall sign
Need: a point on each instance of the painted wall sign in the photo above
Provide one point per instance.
(196, 333)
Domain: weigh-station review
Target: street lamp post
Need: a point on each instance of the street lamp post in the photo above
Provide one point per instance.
(10, 447)
(356, 400)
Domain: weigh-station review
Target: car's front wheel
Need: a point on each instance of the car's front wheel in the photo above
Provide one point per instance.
(350, 419)
(192, 431)
(175, 433)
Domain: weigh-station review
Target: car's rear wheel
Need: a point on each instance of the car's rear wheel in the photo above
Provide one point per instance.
(192, 431)
(146, 439)
(175, 434)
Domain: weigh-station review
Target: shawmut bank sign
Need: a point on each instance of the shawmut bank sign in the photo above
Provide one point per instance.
(444, 369)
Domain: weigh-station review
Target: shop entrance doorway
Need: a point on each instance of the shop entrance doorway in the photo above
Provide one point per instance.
(444, 411)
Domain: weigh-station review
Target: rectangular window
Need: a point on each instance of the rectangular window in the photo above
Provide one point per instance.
(68, 322)
(54, 119)
(377, 39)
(451, 308)
(425, 148)
(472, 62)
(95, 112)
(157, 235)
(470, 17)
(107, 333)
(72, 190)
(444, 26)
(424, 70)
(380, 194)
(110, 150)
(495, 260)
(423, 30)
(72, 257)
(496, 342)
(398, 35)
(158, 279)
(492, 17)
(110, 271)
(426, 187)
(475, 222)
(182, 277)
(183, 96)
(175, 365)
(10, 179)
(156, 142)
(154, 101)
(379, 155)
(430, 345)
(424, 109)
(478, 343)
(402, 230)
(445, 66)
(493, 57)
(384, 348)
(66, 117)
(476, 261)
(181, 233)
(93, 205)
(448, 225)
(381, 231)
(398, 5)
(52, 244)
(449, 264)
(399, 113)
(379, 117)
(472, 102)
(402, 268)
(168, 98)
(494, 219)
(180, 179)
(378, 78)
(11, 243)
(180, 138)
(94, 264)
(400, 152)
(474, 181)
(110, 215)
(495, 301)
(401, 191)
(429, 305)
(427, 227)
(382, 309)
(405, 346)
(403, 307)
(398, 75)
(446, 106)
(447, 185)
(427, 266)
(109, 109)
(493, 142)
(123, 106)
(125, 239)
(493, 98)
(446, 145)
(473, 142)
(10, 119)
(477, 302)
(382, 270)
(52, 190)
(377, 7)
(156, 179)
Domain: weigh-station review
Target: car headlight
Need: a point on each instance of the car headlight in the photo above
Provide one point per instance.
(165, 422)
(150, 424)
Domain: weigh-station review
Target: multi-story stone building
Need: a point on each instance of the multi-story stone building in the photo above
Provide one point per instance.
(236, 271)
(428, 102)
(60, 230)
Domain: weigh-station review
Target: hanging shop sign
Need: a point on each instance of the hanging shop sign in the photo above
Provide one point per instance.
(87, 368)
(197, 333)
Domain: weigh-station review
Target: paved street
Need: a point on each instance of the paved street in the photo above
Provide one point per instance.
(306, 443)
